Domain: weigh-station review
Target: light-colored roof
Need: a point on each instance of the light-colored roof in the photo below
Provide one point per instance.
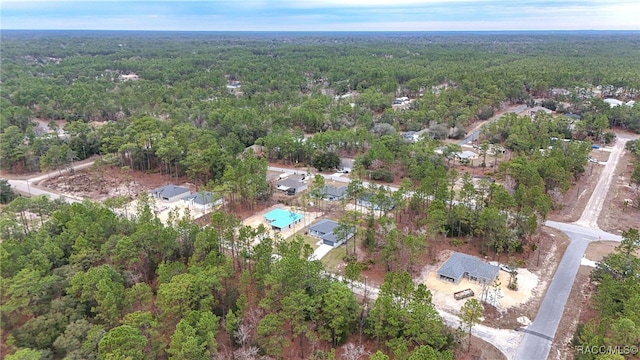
(288, 183)
(613, 102)
(169, 191)
(459, 264)
(466, 154)
(282, 218)
(202, 197)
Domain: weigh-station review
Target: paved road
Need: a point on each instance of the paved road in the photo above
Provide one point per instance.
(29, 187)
(335, 177)
(537, 341)
(538, 338)
(474, 134)
(505, 340)
(589, 217)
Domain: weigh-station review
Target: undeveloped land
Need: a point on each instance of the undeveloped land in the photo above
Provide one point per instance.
(101, 182)
(580, 297)
(616, 216)
(575, 199)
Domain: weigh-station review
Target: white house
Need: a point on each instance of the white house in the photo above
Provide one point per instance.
(203, 201)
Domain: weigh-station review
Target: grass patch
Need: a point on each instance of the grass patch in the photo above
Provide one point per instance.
(309, 240)
(334, 258)
(312, 241)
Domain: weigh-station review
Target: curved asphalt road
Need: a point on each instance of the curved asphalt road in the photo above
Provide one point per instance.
(29, 187)
(538, 338)
(474, 134)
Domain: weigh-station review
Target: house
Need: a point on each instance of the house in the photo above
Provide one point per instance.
(127, 77)
(232, 85)
(292, 184)
(202, 200)
(279, 219)
(613, 102)
(409, 135)
(366, 200)
(324, 229)
(466, 156)
(373, 202)
(169, 193)
(333, 193)
(466, 266)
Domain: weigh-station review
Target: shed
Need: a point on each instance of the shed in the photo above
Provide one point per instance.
(170, 193)
(462, 265)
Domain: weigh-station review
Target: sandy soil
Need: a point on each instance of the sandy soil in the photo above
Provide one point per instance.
(574, 201)
(617, 217)
(169, 212)
(309, 216)
(580, 297)
(480, 350)
(443, 291)
(100, 182)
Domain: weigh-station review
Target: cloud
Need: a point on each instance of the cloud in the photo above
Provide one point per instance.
(321, 15)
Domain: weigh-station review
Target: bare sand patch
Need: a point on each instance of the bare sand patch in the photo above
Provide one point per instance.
(500, 296)
(257, 219)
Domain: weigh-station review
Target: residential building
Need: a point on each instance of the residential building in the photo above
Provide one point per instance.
(169, 193)
(460, 266)
(326, 231)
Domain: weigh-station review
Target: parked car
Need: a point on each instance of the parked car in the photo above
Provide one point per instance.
(508, 269)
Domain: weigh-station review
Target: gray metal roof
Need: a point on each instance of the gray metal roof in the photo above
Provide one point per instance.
(329, 190)
(289, 183)
(327, 227)
(324, 226)
(201, 198)
(169, 191)
(459, 264)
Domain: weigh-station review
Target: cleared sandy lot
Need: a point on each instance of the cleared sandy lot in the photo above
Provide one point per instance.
(258, 218)
(500, 296)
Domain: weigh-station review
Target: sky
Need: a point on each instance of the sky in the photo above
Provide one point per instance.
(321, 15)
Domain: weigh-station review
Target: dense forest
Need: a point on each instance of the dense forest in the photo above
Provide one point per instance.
(137, 289)
(616, 301)
(236, 89)
(81, 282)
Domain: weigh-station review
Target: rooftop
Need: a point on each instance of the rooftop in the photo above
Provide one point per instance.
(324, 226)
(329, 190)
(202, 198)
(169, 191)
(280, 218)
(459, 264)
